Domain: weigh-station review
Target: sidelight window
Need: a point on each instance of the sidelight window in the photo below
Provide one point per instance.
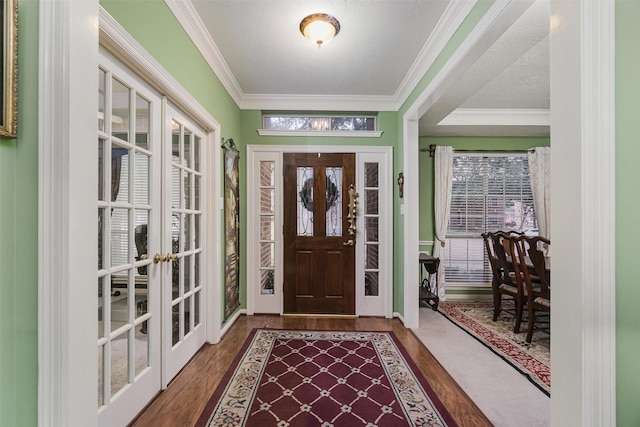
(267, 238)
(371, 216)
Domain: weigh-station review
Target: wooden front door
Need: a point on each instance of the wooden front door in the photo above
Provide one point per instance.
(319, 252)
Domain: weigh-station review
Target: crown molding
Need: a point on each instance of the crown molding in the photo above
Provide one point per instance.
(456, 12)
(497, 117)
(187, 16)
(191, 22)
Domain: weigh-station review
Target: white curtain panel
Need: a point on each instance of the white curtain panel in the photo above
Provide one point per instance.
(540, 176)
(442, 205)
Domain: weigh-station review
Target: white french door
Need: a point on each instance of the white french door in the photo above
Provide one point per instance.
(129, 224)
(150, 242)
(183, 241)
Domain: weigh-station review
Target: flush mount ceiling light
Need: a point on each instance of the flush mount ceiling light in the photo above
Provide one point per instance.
(319, 28)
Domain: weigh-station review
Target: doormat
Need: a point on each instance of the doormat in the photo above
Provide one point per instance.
(533, 360)
(323, 378)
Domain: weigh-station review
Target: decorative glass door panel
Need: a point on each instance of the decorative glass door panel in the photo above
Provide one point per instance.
(305, 201)
(333, 207)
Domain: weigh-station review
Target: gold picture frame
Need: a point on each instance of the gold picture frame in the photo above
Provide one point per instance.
(9, 68)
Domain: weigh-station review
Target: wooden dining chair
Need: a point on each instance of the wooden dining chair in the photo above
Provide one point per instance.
(536, 277)
(505, 284)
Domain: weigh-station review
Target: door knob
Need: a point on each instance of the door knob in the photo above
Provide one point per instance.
(171, 257)
(350, 242)
(159, 258)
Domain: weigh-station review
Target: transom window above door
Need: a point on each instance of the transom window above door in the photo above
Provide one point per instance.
(291, 125)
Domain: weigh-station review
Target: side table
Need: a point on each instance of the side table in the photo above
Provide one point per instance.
(429, 290)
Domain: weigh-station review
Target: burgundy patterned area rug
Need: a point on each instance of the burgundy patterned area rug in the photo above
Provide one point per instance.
(533, 360)
(323, 378)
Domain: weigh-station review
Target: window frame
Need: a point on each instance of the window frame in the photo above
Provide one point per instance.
(470, 275)
(320, 130)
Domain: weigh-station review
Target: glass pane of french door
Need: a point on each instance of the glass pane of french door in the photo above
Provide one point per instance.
(128, 208)
(184, 242)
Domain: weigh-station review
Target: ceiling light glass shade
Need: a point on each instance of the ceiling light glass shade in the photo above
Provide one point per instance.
(319, 28)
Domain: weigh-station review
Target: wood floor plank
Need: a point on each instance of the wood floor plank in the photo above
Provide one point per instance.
(183, 401)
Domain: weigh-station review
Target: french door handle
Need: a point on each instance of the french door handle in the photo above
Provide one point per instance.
(159, 258)
(349, 242)
(171, 257)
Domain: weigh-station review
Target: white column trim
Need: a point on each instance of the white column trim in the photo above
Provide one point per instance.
(67, 353)
(409, 205)
(598, 210)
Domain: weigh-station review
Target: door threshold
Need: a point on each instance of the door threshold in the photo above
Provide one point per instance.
(325, 315)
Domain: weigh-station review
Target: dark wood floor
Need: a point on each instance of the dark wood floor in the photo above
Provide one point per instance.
(184, 399)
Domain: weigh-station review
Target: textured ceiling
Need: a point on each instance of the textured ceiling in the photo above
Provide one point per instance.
(513, 74)
(374, 59)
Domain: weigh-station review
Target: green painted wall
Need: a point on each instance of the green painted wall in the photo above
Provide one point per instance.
(627, 208)
(19, 239)
(153, 25)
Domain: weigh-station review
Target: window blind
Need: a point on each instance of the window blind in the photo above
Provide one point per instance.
(490, 192)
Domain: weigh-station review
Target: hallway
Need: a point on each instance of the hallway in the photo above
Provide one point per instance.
(183, 401)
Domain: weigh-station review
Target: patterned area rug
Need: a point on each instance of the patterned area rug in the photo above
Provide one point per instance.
(323, 378)
(533, 360)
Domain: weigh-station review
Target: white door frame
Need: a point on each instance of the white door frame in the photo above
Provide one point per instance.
(69, 38)
(256, 153)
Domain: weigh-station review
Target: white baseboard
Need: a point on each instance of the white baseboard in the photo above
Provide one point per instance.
(399, 316)
(231, 321)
